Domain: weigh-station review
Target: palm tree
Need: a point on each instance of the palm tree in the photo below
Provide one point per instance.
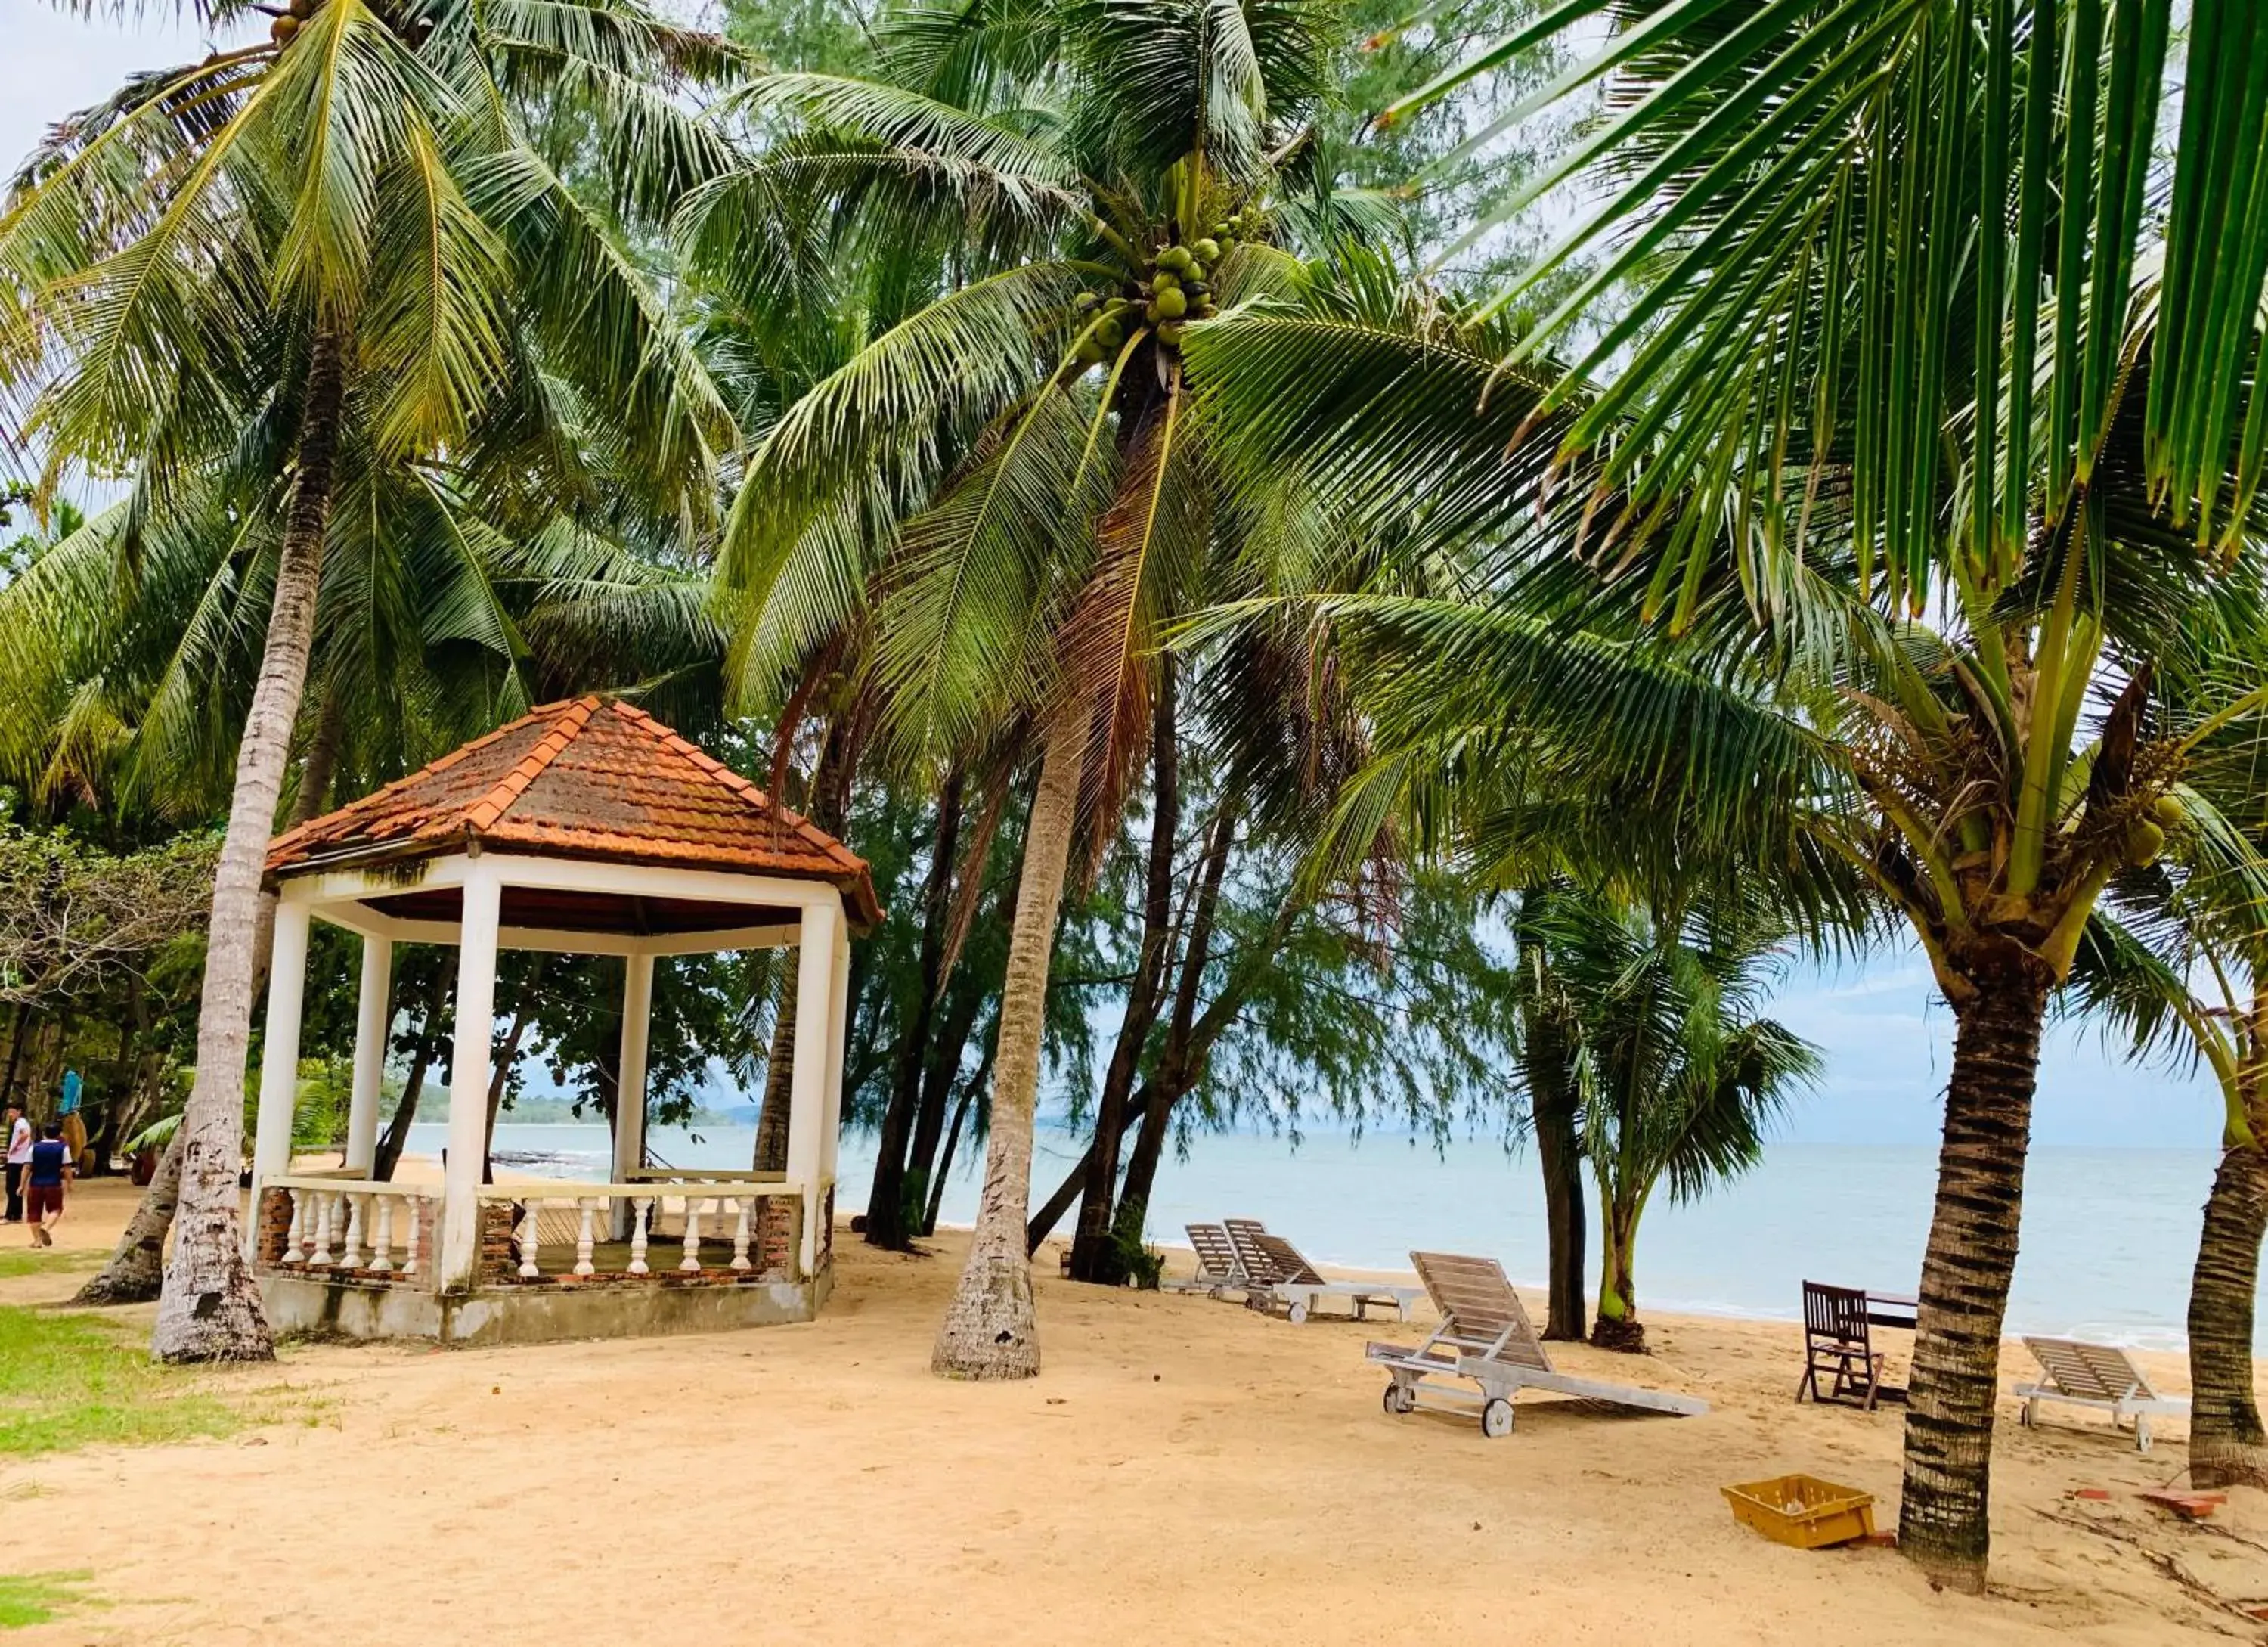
(1897, 279)
(2178, 959)
(1076, 182)
(1678, 1075)
(1545, 1064)
(348, 224)
(1740, 648)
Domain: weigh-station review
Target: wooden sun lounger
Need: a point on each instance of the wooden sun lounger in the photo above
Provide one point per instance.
(1485, 1336)
(1218, 1270)
(2096, 1375)
(1279, 1274)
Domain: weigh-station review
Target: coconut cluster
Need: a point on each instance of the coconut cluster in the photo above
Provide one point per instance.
(285, 27)
(2145, 835)
(1172, 292)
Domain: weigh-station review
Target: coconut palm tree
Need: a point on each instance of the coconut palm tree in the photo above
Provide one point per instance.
(1750, 647)
(350, 223)
(2178, 960)
(1898, 273)
(1677, 1074)
(1008, 485)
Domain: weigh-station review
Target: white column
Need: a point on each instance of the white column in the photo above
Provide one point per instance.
(373, 1018)
(630, 1089)
(839, 996)
(468, 1076)
(808, 1119)
(279, 1057)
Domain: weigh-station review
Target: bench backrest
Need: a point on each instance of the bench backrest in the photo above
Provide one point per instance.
(2094, 1372)
(1289, 1265)
(1247, 1236)
(1216, 1259)
(1480, 1312)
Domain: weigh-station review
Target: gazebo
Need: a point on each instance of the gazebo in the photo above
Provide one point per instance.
(586, 827)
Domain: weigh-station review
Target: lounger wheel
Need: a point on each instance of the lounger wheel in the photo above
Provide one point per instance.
(1400, 1398)
(1496, 1418)
(1296, 1314)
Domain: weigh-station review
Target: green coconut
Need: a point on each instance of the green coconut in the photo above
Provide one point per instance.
(1171, 304)
(2145, 840)
(2169, 811)
(1169, 332)
(1164, 280)
(1174, 259)
(1089, 353)
(1110, 335)
(1207, 250)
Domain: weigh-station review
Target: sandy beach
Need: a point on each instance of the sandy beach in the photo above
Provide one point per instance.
(1185, 1471)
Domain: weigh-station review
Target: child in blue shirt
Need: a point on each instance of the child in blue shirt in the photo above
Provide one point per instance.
(43, 1198)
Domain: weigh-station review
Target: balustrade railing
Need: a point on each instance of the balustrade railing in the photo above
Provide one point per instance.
(382, 1232)
(719, 1226)
(352, 1228)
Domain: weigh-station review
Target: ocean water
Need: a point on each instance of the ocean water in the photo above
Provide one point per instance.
(2108, 1237)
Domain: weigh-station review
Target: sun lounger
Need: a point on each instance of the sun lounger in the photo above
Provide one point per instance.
(1275, 1274)
(2096, 1376)
(1486, 1338)
(1218, 1270)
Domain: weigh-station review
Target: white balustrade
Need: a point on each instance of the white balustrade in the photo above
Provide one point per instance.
(694, 1208)
(589, 1207)
(641, 1208)
(718, 1231)
(740, 1237)
(296, 1233)
(353, 1213)
(381, 1252)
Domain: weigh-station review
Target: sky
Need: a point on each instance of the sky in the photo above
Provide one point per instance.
(1888, 1037)
(55, 62)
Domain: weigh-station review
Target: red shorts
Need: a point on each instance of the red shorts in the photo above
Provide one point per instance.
(43, 1201)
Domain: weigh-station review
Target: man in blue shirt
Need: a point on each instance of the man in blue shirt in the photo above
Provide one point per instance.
(43, 1197)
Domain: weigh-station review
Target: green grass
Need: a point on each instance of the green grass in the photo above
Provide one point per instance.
(36, 1597)
(25, 1261)
(74, 1381)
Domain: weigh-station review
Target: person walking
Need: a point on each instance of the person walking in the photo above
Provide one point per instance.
(19, 1131)
(45, 1175)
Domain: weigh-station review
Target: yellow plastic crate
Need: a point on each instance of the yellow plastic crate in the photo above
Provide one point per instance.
(1803, 1511)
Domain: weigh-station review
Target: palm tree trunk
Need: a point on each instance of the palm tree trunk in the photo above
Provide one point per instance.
(990, 1330)
(210, 1307)
(888, 1220)
(2228, 1445)
(1942, 1515)
(1561, 1158)
(1181, 1064)
(1094, 1253)
(1617, 1326)
(779, 1080)
(136, 1268)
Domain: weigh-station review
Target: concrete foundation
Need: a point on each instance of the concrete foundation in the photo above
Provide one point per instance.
(327, 1308)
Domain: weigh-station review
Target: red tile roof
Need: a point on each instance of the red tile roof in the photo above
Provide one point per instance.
(590, 777)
